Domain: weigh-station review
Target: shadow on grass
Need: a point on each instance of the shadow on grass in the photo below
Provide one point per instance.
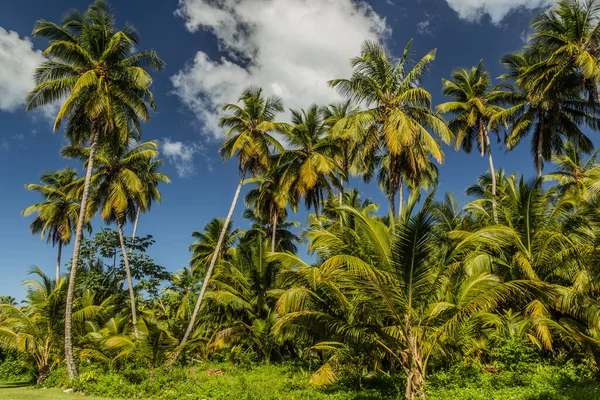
(12, 385)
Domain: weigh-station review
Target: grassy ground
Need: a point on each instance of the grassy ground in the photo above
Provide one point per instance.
(18, 391)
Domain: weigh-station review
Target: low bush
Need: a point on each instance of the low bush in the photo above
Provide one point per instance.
(14, 367)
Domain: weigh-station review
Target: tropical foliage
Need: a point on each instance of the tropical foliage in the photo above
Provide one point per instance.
(414, 294)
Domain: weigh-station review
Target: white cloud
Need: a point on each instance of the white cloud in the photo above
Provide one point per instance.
(525, 35)
(18, 59)
(474, 10)
(423, 27)
(181, 155)
(290, 48)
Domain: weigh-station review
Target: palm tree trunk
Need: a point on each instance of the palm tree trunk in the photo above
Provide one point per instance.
(69, 357)
(400, 197)
(316, 206)
(416, 376)
(58, 260)
(213, 261)
(274, 232)
(539, 160)
(135, 225)
(129, 280)
(392, 199)
(493, 172)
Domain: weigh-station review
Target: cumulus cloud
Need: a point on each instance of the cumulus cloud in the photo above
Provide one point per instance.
(290, 48)
(18, 59)
(474, 10)
(181, 155)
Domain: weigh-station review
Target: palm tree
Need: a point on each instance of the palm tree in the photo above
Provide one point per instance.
(104, 87)
(348, 158)
(269, 198)
(569, 34)
(308, 167)
(392, 291)
(249, 139)
(398, 110)
(205, 243)
(34, 329)
(474, 103)
(413, 167)
(119, 190)
(576, 177)
(57, 216)
(550, 106)
(240, 304)
(150, 181)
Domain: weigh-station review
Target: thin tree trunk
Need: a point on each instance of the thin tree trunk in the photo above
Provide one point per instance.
(400, 197)
(69, 357)
(341, 200)
(274, 232)
(392, 199)
(58, 260)
(135, 226)
(493, 172)
(213, 261)
(316, 206)
(129, 280)
(539, 162)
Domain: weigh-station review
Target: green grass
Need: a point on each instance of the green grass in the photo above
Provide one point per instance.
(24, 391)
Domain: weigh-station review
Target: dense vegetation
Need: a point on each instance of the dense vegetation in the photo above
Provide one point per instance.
(497, 298)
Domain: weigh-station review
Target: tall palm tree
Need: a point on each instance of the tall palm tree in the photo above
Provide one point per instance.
(119, 189)
(413, 167)
(348, 157)
(309, 167)
(249, 139)
(150, 181)
(262, 225)
(57, 216)
(474, 103)
(397, 110)
(104, 88)
(549, 105)
(269, 197)
(569, 35)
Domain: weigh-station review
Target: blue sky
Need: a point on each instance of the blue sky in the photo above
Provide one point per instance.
(290, 47)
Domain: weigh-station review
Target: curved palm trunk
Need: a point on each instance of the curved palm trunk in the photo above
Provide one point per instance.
(58, 260)
(493, 172)
(213, 261)
(274, 232)
(69, 357)
(129, 280)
